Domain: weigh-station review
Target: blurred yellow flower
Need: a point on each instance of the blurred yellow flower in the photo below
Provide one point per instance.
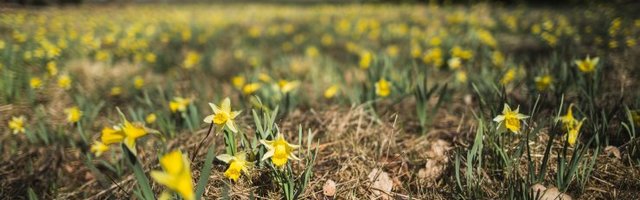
(497, 59)
(461, 76)
(150, 57)
(223, 116)
(64, 82)
(176, 175)
(383, 88)
(509, 120)
(287, 86)
(508, 76)
(331, 91)
(138, 82)
(454, 63)
(52, 68)
(572, 134)
(238, 81)
(191, 60)
(151, 118)
(17, 124)
(238, 164)
(179, 104)
(35, 83)
(98, 148)
(251, 88)
(312, 52)
(115, 91)
(73, 114)
(264, 77)
(587, 65)
(279, 150)
(365, 59)
(543, 82)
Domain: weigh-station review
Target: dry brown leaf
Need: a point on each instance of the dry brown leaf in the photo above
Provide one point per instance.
(538, 189)
(329, 188)
(611, 150)
(382, 183)
(554, 194)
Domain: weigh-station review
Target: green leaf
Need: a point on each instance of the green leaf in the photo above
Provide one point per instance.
(205, 172)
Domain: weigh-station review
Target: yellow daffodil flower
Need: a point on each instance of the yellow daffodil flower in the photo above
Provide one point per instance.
(383, 88)
(115, 91)
(508, 77)
(568, 121)
(98, 148)
(461, 76)
(331, 91)
(73, 114)
(191, 60)
(365, 59)
(287, 86)
(223, 116)
(176, 175)
(279, 150)
(35, 83)
(587, 65)
(510, 119)
(237, 164)
(17, 124)
(251, 88)
(454, 63)
(179, 104)
(238, 81)
(573, 133)
(151, 118)
(543, 82)
(64, 82)
(138, 82)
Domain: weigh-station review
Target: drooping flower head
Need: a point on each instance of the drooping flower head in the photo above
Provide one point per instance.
(238, 164)
(279, 150)
(510, 119)
(176, 175)
(223, 116)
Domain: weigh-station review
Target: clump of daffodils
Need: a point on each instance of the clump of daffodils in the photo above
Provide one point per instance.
(510, 120)
(571, 125)
(176, 175)
(126, 132)
(279, 150)
(223, 116)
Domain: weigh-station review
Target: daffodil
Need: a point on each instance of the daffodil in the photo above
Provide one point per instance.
(365, 59)
(223, 116)
(17, 124)
(73, 114)
(191, 60)
(279, 150)
(115, 91)
(508, 76)
(587, 65)
(64, 82)
(132, 132)
(454, 63)
(331, 91)
(543, 82)
(510, 119)
(138, 82)
(35, 83)
(176, 175)
(151, 118)
(179, 104)
(98, 148)
(572, 134)
(383, 88)
(251, 88)
(238, 164)
(238, 81)
(287, 86)
(568, 121)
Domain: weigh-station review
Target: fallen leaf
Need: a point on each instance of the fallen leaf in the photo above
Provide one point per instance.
(538, 189)
(329, 188)
(611, 150)
(382, 183)
(554, 194)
